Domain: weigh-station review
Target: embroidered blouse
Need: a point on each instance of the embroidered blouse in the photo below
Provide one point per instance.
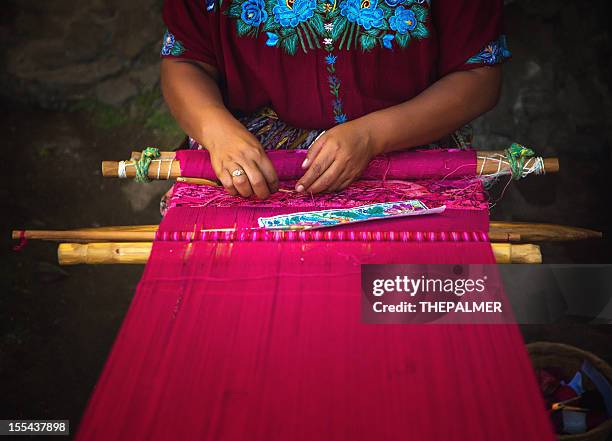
(321, 62)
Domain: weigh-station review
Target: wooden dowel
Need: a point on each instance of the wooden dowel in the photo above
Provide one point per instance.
(104, 253)
(93, 235)
(491, 166)
(135, 156)
(164, 169)
(138, 253)
(513, 253)
(498, 232)
(486, 165)
(538, 232)
(149, 227)
(198, 181)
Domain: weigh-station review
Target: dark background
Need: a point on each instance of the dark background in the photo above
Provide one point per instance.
(79, 84)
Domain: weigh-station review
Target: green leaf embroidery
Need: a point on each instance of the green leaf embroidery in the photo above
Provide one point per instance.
(177, 49)
(271, 24)
(235, 9)
(420, 32)
(317, 24)
(387, 11)
(270, 9)
(402, 39)
(290, 43)
(242, 27)
(339, 25)
(367, 42)
(420, 12)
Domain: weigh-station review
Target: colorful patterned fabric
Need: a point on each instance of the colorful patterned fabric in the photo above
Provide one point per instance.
(344, 216)
(493, 53)
(318, 63)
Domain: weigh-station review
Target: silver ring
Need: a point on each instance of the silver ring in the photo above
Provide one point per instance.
(237, 172)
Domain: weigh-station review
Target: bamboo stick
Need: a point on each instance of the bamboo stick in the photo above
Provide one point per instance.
(104, 253)
(138, 253)
(538, 232)
(169, 168)
(85, 236)
(498, 232)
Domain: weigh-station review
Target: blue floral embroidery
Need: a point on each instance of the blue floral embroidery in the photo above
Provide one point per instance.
(171, 46)
(272, 39)
(290, 13)
(332, 25)
(365, 13)
(403, 21)
(307, 24)
(210, 5)
(493, 53)
(254, 12)
(387, 41)
(334, 83)
(340, 118)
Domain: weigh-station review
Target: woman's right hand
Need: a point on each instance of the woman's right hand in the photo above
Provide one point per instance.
(191, 90)
(239, 160)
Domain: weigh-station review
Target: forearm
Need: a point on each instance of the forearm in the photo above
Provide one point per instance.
(448, 104)
(194, 98)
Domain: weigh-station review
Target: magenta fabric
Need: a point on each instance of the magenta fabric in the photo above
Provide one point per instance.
(304, 87)
(410, 164)
(262, 340)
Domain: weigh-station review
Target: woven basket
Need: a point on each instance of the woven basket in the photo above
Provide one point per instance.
(569, 360)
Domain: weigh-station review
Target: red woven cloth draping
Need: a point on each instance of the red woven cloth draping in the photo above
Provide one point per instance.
(263, 341)
(412, 164)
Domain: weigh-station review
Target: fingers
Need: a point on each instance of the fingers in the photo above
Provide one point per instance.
(241, 182)
(314, 150)
(227, 182)
(256, 180)
(267, 169)
(340, 179)
(326, 179)
(318, 167)
(345, 184)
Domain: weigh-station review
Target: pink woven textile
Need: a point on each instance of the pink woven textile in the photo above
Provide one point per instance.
(411, 164)
(262, 340)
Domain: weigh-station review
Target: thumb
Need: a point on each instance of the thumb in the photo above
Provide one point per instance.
(314, 150)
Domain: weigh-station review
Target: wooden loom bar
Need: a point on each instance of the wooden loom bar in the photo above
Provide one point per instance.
(538, 232)
(168, 168)
(498, 232)
(138, 253)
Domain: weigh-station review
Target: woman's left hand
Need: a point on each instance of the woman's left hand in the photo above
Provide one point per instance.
(337, 158)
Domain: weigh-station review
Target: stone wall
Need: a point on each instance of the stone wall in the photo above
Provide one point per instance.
(556, 93)
(60, 52)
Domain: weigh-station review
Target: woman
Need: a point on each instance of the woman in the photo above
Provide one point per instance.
(377, 75)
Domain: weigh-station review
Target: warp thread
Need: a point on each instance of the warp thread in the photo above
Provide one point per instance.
(263, 235)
